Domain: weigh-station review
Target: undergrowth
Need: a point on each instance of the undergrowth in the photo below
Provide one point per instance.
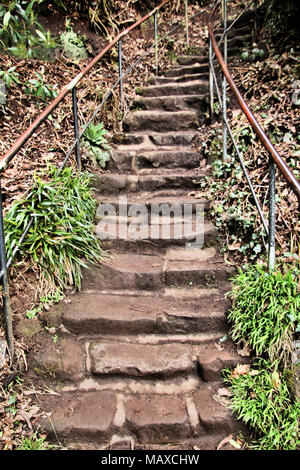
(265, 311)
(265, 316)
(261, 398)
(61, 239)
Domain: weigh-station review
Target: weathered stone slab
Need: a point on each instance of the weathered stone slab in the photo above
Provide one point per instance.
(156, 419)
(135, 360)
(64, 360)
(84, 415)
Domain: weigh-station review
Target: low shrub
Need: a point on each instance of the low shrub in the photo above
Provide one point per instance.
(260, 396)
(265, 311)
(61, 239)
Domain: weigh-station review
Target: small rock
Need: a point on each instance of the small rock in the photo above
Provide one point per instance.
(29, 327)
(63, 360)
(53, 317)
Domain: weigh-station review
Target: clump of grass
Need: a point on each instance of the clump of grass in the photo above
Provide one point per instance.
(34, 442)
(261, 398)
(61, 239)
(265, 311)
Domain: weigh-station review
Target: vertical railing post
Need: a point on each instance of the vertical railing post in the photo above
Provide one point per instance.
(5, 286)
(76, 128)
(272, 210)
(224, 83)
(155, 42)
(186, 24)
(211, 81)
(120, 71)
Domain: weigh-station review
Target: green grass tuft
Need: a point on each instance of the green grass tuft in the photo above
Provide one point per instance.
(261, 398)
(265, 311)
(61, 239)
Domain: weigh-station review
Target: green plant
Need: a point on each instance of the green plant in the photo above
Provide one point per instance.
(260, 396)
(61, 239)
(18, 22)
(39, 89)
(34, 442)
(73, 44)
(46, 39)
(45, 300)
(265, 311)
(96, 144)
(9, 76)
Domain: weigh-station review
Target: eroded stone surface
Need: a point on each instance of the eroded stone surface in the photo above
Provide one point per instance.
(134, 360)
(63, 361)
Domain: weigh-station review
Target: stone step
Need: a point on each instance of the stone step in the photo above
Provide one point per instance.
(144, 313)
(143, 361)
(126, 183)
(174, 103)
(234, 31)
(149, 272)
(179, 79)
(155, 202)
(235, 42)
(200, 59)
(185, 70)
(164, 158)
(150, 238)
(92, 360)
(212, 362)
(194, 87)
(161, 121)
(149, 419)
(144, 139)
(192, 59)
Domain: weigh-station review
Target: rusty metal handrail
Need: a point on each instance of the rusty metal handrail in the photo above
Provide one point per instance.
(283, 167)
(7, 157)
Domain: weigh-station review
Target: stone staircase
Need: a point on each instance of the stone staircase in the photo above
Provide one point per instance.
(139, 358)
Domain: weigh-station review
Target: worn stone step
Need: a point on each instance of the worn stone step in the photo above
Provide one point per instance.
(161, 121)
(213, 362)
(234, 31)
(179, 79)
(149, 420)
(156, 202)
(170, 103)
(194, 87)
(124, 183)
(199, 59)
(124, 160)
(192, 59)
(195, 271)
(146, 139)
(235, 42)
(146, 313)
(213, 416)
(185, 70)
(148, 272)
(144, 361)
(148, 238)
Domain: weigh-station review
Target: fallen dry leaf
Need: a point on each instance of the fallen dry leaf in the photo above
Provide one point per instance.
(224, 441)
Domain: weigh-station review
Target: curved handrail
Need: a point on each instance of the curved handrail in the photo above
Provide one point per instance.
(283, 167)
(7, 157)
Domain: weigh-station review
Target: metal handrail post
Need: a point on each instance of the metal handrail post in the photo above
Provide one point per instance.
(76, 128)
(120, 71)
(224, 83)
(211, 82)
(5, 286)
(156, 44)
(272, 210)
(186, 24)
